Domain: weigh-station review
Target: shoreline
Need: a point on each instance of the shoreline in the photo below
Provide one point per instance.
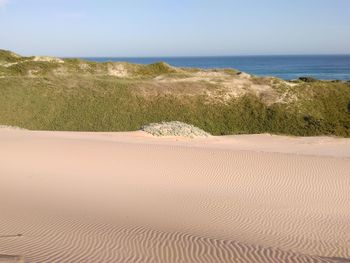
(179, 61)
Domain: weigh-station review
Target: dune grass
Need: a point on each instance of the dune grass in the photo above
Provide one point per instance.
(93, 103)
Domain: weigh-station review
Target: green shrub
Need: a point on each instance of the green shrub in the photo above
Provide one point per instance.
(308, 79)
(154, 69)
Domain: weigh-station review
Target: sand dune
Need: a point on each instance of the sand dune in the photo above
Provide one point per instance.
(129, 197)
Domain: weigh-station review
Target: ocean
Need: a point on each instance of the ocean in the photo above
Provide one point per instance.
(327, 67)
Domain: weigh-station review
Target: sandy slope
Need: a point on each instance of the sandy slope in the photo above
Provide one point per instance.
(127, 197)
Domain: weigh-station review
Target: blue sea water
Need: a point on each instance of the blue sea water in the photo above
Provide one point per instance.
(328, 67)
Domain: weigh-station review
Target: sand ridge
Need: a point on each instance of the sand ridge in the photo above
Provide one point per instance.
(129, 197)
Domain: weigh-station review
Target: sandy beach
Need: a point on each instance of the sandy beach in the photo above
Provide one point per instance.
(130, 197)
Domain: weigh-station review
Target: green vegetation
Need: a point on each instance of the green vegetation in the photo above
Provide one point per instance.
(308, 79)
(154, 69)
(23, 68)
(104, 104)
(8, 56)
(86, 98)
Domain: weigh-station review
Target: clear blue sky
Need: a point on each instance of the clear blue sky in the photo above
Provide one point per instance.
(174, 27)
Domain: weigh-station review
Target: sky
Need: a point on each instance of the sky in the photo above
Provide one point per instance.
(134, 28)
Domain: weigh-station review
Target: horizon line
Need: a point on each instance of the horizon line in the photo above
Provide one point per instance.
(210, 56)
(182, 56)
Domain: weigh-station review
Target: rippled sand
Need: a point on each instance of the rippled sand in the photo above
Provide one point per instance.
(129, 197)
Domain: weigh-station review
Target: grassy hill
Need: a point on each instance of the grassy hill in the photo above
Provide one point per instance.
(44, 93)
